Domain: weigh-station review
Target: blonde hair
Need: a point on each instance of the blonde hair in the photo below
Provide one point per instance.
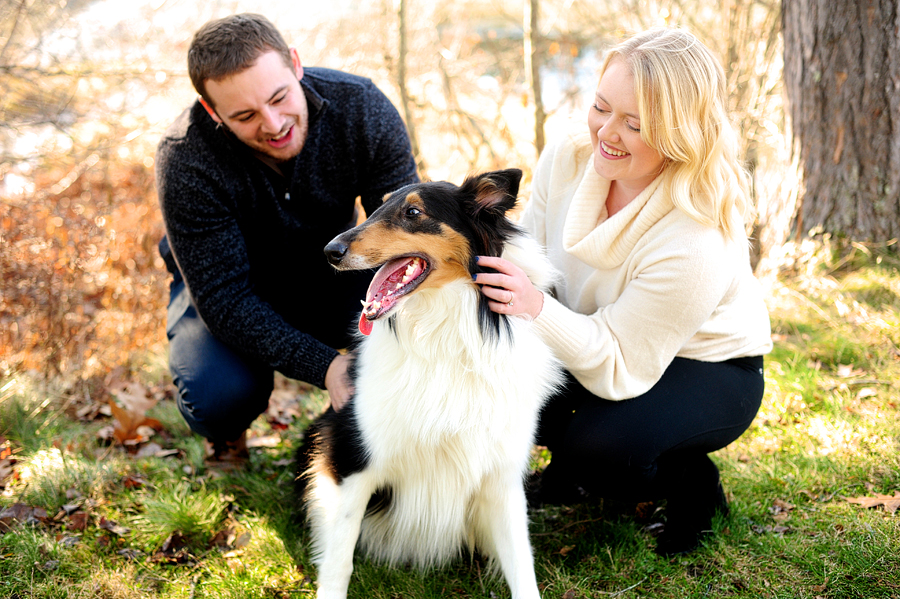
(680, 89)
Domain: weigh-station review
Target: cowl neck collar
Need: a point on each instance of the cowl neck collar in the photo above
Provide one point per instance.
(605, 242)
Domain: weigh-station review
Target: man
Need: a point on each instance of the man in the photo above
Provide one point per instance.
(254, 179)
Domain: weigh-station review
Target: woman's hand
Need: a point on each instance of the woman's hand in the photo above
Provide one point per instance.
(509, 290)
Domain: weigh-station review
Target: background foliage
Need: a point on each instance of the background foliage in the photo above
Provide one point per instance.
(86, 89)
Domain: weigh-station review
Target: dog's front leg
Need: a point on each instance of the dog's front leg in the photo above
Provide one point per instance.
(338, 535)
(502, 521)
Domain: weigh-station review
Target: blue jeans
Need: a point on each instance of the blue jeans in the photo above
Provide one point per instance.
(220, 392)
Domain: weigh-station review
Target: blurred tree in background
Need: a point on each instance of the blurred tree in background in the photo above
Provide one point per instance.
(89, 87)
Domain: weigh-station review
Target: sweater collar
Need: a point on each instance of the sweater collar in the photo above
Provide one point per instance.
(604, 242)
(315, 103)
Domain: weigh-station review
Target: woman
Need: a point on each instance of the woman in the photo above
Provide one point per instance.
(657, 316)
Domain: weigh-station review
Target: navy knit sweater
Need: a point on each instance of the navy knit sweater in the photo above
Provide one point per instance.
(249, 242)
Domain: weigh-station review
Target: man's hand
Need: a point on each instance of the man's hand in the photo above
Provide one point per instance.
(337, 383)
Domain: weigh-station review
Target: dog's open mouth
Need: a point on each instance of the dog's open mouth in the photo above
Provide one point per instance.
(395, 279)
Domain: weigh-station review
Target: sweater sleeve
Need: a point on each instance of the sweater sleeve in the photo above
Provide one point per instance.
(621, 350)
(212, 256)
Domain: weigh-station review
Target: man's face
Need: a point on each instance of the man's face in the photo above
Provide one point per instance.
(264, 106)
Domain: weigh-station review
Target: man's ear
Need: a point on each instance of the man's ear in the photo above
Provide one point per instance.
(210, 110)
(295, 60)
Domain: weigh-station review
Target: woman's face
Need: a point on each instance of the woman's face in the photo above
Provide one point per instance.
(615, 125)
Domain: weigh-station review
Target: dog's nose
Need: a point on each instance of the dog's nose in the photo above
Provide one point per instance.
(335, 251)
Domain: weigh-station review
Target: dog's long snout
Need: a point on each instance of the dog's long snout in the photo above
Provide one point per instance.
(336, 250)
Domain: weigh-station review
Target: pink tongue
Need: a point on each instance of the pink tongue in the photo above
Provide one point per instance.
(391, 271)
(387, 278)
(365, 325)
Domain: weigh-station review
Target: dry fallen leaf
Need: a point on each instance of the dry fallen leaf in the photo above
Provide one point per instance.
(132, 395)
(890, 503)
(113, 527)
(781, 510)
(264, 441)
(77, 521)
(6, 470)
(6, 461)
(243, 540)
(129, 410)
(866, 392)
(845, 371)
(127, 423)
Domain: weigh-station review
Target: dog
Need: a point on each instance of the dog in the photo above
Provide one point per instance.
(429, 455)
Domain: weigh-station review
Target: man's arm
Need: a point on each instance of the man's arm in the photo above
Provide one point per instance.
(212, 256)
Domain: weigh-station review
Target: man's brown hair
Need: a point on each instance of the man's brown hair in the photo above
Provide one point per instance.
(227, 46)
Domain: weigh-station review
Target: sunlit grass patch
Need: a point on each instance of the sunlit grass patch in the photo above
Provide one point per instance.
(51, 477)
(30, 416)
(194, 513)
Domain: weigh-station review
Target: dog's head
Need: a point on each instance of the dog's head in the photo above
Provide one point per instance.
(426, 235)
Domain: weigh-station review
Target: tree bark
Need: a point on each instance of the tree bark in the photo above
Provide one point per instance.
(842, 79)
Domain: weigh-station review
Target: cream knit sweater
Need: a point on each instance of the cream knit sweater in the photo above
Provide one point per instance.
(640, 288)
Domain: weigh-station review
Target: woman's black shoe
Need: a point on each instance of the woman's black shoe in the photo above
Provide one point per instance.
(690, 507)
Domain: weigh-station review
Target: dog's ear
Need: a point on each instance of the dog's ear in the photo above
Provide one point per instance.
(494, 192)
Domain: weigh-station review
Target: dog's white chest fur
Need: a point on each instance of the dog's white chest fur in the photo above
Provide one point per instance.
(443, 413)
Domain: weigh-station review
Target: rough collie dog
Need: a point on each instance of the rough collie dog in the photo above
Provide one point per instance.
(428, 457)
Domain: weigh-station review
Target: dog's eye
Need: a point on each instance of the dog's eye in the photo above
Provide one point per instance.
(412, 211)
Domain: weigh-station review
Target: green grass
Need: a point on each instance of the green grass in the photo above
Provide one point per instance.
(828, 429)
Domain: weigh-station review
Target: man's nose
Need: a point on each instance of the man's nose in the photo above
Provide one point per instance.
(271, 121)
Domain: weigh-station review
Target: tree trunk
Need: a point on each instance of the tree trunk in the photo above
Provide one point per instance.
(842, 79)
(532, 70)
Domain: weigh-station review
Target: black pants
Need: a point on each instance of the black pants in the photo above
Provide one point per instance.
(639, 448)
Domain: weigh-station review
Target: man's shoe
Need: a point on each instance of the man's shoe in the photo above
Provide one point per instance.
(227, 455)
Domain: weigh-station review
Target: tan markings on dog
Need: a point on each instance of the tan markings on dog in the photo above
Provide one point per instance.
(319, 465)
(414, 199)
(448, 252)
